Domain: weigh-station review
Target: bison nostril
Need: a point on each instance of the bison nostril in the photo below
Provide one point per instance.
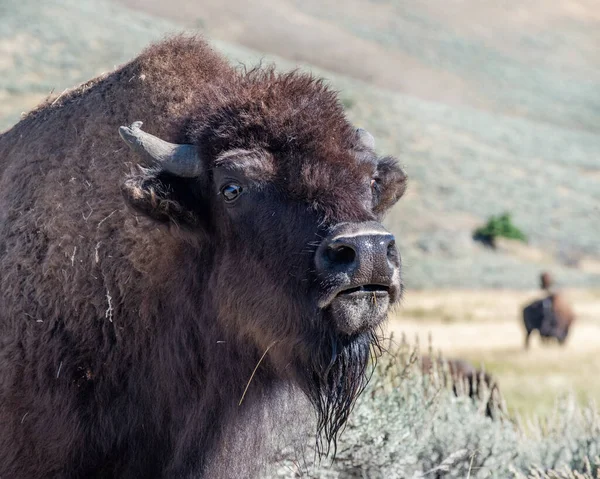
(391, 249)
(341, 254)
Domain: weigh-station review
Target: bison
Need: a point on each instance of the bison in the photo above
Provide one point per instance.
(172, 291)
(551, 316)
(467, 379)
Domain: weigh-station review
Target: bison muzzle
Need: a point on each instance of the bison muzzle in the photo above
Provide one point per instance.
(359, 264)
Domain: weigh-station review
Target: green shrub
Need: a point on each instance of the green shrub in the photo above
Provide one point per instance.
(499, 226)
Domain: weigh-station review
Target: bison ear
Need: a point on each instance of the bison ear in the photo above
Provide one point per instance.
(165, 189)
(392, 184)
(163, 197)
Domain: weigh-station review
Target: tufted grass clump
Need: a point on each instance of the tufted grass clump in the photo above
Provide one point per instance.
(411, 425)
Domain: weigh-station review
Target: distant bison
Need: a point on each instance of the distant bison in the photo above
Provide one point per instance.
(551, 316)
(467, 379)
(166, 300)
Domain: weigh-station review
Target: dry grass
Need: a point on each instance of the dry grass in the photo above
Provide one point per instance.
(485, 327)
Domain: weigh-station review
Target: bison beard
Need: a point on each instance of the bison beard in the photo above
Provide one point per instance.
(334, 381)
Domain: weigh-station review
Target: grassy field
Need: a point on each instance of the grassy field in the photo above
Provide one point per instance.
(485, 327)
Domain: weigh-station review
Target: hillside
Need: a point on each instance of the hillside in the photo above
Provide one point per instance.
(532, 58)
(485, 119)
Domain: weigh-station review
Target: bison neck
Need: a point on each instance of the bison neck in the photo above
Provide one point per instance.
(210, 411)
(227, 415)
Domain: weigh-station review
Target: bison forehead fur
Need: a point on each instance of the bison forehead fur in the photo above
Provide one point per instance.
(136, 304)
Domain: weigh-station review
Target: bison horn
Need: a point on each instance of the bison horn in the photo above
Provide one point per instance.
(179, 160)
(366, 138)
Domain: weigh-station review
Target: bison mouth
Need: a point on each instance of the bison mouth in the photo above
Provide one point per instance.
(372, 290)
(358, 309)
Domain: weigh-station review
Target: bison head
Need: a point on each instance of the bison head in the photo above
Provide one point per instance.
(286, 198)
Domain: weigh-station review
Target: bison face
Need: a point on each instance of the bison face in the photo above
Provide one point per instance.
(293, 238)
(310, 269)
(296, 251)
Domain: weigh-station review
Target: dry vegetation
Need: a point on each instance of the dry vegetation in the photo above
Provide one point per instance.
(410, 425)
(485, 327)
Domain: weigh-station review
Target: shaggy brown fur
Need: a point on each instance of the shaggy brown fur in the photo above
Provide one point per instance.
(551, 316)
(467, 379)
(127, 338)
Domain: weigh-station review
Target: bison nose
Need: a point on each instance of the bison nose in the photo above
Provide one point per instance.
(358, 254)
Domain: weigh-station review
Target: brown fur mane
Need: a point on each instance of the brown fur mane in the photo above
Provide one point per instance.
(121, 344)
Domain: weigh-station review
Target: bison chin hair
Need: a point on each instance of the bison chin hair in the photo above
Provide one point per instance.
(336, 375)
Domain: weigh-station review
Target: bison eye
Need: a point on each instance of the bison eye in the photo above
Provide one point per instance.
(231, 192)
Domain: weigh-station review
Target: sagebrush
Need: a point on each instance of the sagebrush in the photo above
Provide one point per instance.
(410, 425)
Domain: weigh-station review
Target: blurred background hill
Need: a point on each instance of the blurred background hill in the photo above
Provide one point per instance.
(492, 106)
